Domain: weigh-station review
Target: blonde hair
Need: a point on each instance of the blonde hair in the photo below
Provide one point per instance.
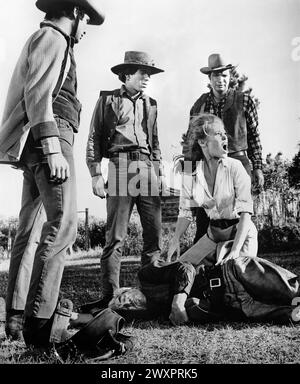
(127, 298)
(198, 130)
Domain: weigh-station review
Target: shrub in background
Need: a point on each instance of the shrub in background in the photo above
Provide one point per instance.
(277, 177)
(294, 171)
(96, 233)
(276, 239)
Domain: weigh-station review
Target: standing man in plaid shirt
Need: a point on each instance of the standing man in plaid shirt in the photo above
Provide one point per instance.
(239, 115)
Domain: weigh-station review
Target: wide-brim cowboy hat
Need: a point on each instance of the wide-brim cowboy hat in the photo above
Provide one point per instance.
(137, 59)
(216, 63)
(90, 7)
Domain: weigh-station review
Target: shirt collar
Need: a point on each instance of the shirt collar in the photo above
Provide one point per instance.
(214, 100)
(48, 23)
(123, 91)
(222, 160)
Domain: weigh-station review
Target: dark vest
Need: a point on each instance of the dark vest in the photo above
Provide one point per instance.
(66, 104)
(233, 118)
(110, 120)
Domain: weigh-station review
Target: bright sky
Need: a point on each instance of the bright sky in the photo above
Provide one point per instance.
(261, 36)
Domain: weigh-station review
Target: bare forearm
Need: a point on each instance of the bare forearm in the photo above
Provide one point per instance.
(242, 230)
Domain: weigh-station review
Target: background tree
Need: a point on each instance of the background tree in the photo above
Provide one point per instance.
(294, 171)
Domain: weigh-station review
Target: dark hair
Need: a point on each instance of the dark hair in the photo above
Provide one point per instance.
(130, 70)
(61, 10)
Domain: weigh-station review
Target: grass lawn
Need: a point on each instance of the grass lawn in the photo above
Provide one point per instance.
(158, 342)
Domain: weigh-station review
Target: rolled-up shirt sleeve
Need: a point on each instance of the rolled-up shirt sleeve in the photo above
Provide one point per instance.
(242, 187)
(186, 201)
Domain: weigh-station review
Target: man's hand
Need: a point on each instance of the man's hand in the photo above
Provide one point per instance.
(178, 315)
(98, 186)
(258, 178)
(178, 164)
(174, 246)
(59, 168)
(232, 255)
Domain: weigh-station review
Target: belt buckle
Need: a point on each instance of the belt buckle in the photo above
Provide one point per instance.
(215, 283)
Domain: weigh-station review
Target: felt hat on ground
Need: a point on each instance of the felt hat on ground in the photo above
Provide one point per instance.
(137, 59)
(216, 63)
(90, 7)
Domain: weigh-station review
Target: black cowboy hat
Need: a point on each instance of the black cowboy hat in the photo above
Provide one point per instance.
(90, 7)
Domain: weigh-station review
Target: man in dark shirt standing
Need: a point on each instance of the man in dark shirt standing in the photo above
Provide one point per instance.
(238, 112)
(124, 129)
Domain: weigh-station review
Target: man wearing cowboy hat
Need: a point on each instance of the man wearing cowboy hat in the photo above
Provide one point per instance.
(40, 118)
(239, 114)
(124, 129)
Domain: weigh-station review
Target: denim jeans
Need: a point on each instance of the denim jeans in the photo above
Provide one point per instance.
(129, 183)
(44, 260)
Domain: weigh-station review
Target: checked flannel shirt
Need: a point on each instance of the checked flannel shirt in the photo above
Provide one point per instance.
(254, 144)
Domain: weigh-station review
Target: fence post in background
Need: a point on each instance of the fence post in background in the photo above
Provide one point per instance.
(86, 227)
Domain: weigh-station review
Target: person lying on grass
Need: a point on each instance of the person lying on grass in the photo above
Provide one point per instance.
(246, 288)
(242, 289)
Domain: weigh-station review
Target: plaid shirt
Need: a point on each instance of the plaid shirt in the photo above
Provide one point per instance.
(253, 139)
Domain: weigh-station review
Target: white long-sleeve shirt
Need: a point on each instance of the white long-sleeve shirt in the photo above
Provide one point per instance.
(231, 195)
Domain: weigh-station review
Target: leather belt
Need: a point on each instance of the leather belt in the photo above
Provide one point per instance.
(131, 155)
(223, 223)
(238, 153)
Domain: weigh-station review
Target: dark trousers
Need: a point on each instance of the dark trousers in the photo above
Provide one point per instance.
(44, 263)
(202, 219)
(160, 279)
(129, 183)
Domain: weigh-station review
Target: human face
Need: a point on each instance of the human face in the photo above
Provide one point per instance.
(219, 82)
(216, 143)
(82, 26)
(138, 81)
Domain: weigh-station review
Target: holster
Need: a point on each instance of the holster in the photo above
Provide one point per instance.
(216, 288)
(206, 301)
